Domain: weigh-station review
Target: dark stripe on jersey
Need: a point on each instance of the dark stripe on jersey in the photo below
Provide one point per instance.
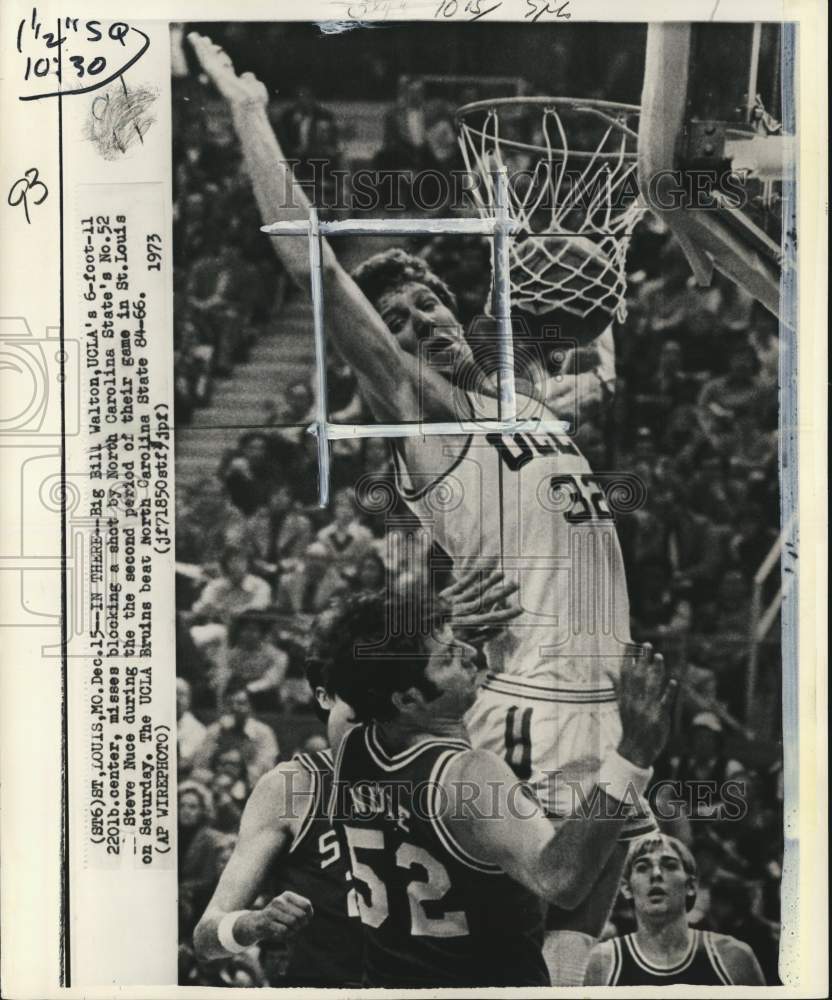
(716, 959)
(395, 761)
(519, 741)
(615, 971)
(575, 698)
(655, 970)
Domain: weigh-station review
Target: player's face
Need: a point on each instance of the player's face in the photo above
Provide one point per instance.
(452, 672)
(420, 322)
(659, 884)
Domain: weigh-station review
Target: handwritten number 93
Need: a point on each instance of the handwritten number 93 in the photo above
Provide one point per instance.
(28, 186)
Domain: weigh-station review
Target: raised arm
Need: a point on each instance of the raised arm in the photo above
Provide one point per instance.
(395, 385)
(562, 860)
(266, 831)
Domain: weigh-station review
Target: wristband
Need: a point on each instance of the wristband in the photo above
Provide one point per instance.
(225, 932)
(621, 779)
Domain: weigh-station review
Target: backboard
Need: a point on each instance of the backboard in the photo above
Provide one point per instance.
(714, 150)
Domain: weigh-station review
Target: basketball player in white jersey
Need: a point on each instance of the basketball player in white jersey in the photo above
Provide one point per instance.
(527, 503)
(660, 878)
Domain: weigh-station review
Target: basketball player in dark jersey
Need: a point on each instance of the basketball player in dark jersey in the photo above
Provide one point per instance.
(660, 878)
(288, 847)
(450, 854)
(525, 502)
(287, 843)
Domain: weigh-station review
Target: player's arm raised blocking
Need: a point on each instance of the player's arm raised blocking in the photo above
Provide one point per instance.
(396, 386)
(228, 926)
(495, 820)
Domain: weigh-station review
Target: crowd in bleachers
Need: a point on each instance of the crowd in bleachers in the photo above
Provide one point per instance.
(692, 413)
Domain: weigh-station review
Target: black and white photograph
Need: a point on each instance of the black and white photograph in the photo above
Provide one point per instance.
(482, 364)
(413, 447)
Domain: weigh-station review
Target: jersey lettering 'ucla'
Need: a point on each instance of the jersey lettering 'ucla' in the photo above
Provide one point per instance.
(529, 504)
(433, 915)
(328, 951)
(701, 965)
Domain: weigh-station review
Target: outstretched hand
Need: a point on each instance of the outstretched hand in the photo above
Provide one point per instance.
(478, 604)
(645, 701)
(244, 90)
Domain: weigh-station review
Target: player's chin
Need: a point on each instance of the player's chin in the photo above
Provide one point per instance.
(450, 357)
(657, 904)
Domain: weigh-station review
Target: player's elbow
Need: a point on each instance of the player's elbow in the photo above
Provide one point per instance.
(562, 888)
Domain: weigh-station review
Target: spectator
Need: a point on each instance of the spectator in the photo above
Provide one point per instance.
(730, 913)
(657, 607)
(197, 845)
(404, 128)
(710, 859)
(685, 543)
(290, 417)
(309, 585)
(372, 574)
(249, 475)
(234, 592)
(733, 396)
(279, 530)
(189, 730)
(202, 521)
(667, 389)
(238, 729)
(254, 663)
(346, 539)
(299, 125)
(705, 769)
(228, 806)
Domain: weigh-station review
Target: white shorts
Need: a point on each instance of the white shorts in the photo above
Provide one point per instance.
(553, 739)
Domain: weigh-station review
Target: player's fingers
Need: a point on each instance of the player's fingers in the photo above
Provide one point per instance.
(655, 676)
(285, 918)
(199, 45)
(500, 590)
(670, 689)
(464, 586)
(296, 899)
(293, 917)
(478, 581)
(486, 618)
(281, 926)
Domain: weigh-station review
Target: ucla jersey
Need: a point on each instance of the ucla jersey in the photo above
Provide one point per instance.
(433, 915)
(701, 966)
(328, 951)
(529, 504)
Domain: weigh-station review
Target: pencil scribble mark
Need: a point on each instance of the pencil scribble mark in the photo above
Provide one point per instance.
(119, 118)
(338, 27)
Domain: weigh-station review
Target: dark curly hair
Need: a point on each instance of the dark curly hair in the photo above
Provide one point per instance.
(387, 271)
(365, 658)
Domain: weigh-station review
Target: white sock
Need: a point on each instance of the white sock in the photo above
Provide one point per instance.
(566, 954)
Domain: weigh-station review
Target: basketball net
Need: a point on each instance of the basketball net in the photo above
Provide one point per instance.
(576, 207)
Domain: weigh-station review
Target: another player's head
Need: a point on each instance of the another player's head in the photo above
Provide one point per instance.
(387, 672)
(328, 705)
(660, 878)
(417, 307)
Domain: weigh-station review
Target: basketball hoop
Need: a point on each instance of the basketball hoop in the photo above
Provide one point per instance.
(572, 189)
